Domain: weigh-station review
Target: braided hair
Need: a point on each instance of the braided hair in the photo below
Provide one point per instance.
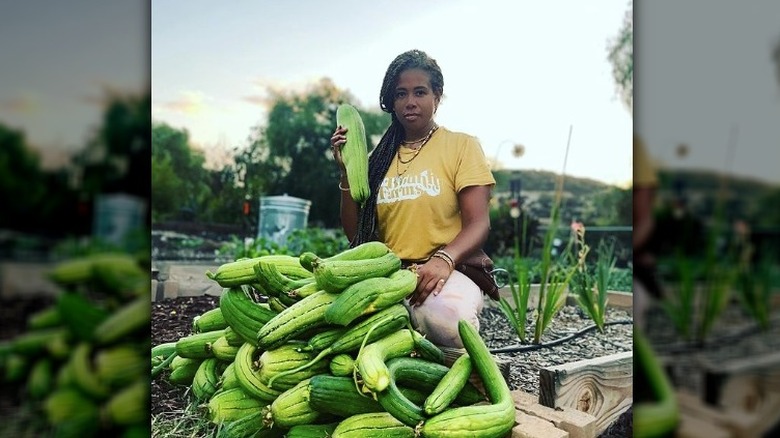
(381, 157)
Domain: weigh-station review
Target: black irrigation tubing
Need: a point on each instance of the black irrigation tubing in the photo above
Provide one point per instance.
(532, 347)
(694, 346)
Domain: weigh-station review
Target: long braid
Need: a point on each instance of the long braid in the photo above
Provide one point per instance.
(381, 157)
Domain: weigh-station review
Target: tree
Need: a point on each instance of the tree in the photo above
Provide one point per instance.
(115, 158)
(611, 206)
(179, 179)
(226, 200)
(291, 153)
(621, 56)
(21, 181)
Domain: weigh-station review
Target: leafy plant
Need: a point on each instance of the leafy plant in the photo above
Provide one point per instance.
(755, 281)
(717, 292)
(521, 290)
(679, 304)
(322, 242)
(591, 288)
(555, 277)
(555, 285)
(720, 271)
(621, 280)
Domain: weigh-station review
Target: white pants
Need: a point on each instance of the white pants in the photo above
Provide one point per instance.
(437, 317)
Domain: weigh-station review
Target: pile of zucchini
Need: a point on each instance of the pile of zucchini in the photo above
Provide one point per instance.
(81, 364)
(323, 347)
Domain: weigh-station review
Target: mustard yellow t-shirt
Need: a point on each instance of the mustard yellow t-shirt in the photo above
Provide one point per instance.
(644, 169)
(417, 203)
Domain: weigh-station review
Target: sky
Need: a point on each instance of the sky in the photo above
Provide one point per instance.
(57, 59)
(706, 79)
(514, 72)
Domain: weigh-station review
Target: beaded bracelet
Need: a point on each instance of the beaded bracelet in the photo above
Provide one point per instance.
(442, 254)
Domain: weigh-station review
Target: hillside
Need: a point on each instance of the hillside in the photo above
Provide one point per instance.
(545, 180)
(693, 179)
(708, 180)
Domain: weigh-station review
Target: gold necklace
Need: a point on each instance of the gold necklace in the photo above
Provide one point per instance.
(422, 139)
(416, 152)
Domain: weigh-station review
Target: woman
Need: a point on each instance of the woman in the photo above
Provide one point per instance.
(430, 189)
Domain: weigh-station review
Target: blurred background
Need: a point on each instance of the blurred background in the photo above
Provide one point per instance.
(75, 182)
(706, 214)
(74, 126)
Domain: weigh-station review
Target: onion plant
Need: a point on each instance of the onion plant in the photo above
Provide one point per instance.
(754, 287)
(555, 276)
(591, 287)
(679, 305)
(521, 291)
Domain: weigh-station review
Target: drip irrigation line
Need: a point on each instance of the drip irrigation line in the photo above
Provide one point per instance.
(532, 347)
(720, 341)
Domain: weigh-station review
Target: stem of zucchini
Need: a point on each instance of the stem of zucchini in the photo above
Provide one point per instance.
(156, 370)
(360, 351)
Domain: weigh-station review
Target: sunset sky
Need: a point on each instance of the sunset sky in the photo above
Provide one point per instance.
(514, 72)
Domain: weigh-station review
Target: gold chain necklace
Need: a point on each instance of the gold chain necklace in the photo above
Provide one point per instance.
(422, 139)
(416, 152)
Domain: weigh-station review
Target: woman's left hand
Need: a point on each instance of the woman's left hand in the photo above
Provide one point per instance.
(431, 278)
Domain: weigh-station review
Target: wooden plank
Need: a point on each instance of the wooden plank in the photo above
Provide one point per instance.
(530, 426)
(601, 387)
(752, 373)
(761, 362)
(694, 427)
(741, 424)
(578, 424)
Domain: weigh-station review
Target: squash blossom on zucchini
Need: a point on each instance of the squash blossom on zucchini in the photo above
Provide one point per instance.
(354, 152)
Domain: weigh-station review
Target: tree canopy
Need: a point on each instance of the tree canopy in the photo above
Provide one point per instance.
(290, 154)
(621, 56)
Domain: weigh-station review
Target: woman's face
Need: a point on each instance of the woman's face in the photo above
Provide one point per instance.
(415, 103)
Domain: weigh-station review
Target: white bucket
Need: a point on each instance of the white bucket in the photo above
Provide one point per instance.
(281, 215)
(116, 216)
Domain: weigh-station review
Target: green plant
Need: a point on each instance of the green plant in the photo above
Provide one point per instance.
(591, 288)
(520, 285)
(755, 281)
(719, 282)
(706, 292)
(320, 241)
(521, 290)
(555, 276)
(621, 280)
(678, 305)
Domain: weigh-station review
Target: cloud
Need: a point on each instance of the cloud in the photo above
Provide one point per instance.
(27, 103)
(107, 92)
(256, 99)
(188, 102)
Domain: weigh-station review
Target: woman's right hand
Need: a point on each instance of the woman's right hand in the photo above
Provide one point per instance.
(337, 141)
